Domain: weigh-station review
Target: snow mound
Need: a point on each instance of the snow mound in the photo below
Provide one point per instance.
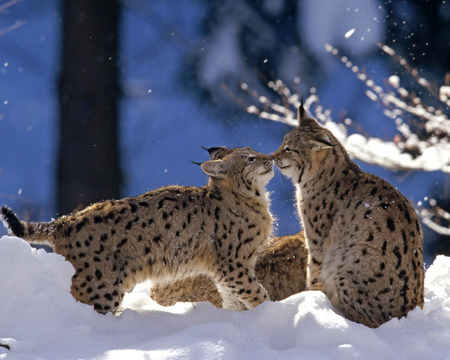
(40, 319)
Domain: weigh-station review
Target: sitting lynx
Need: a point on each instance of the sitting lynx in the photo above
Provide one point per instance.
(363, 236)
(280, 268)
(167, 234)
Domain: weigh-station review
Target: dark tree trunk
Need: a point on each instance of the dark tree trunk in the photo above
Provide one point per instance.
(88, 163)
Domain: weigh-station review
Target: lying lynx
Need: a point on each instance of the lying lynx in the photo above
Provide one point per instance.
(168, 234)
(280, 268)
(363, 236)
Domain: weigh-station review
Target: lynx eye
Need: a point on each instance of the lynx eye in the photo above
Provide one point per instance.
(251, 159)
(287, 149)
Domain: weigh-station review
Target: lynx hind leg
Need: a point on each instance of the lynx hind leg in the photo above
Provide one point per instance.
(240, 290)
(168, 294)
(354, 308)
(281, 267)
(190, 289)
(104, 294)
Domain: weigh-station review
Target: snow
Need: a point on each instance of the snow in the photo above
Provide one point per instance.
(394, 81)
(41, 320)
(349, 33)
(444, 93)
(385, 153)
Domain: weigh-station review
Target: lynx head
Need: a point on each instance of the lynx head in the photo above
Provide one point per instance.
(242, 170)
(306, 149)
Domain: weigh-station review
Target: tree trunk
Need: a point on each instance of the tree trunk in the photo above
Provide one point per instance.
(88, 162)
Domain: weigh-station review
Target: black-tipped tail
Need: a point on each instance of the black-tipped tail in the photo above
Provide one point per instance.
(12, 222)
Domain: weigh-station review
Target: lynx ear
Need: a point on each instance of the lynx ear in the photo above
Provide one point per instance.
(303, 115)
(322, 141)
(214, 151)
(214, 168)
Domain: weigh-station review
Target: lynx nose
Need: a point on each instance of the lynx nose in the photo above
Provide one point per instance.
(276, 159)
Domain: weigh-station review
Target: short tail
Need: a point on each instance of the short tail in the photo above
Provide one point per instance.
(30, 231)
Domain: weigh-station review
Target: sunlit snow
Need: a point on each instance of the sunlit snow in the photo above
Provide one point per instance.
(349, 33)
(41, 320)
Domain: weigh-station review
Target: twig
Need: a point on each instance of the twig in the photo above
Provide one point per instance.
(6, 346)
(7, 5)
(14, 26)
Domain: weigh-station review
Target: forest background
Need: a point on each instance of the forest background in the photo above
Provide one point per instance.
(105, 99)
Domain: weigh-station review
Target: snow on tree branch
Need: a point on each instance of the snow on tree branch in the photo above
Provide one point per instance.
(435, 218)
(425, 147)
(4, 9)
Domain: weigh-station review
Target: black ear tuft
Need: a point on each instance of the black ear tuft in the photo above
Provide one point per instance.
(305, 119)
(196, 163)
(301, 112)
(215, 151)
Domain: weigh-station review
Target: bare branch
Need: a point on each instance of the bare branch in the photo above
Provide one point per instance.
(4, 8)
(14, 26)
(433, 218)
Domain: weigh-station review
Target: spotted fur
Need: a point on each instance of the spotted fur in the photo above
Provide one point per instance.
(363, 236)
(280, 268)
(167, 234)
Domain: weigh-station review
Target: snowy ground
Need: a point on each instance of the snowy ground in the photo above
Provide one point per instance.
(39, 319)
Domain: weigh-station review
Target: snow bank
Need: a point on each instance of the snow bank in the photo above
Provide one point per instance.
(40, 319)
